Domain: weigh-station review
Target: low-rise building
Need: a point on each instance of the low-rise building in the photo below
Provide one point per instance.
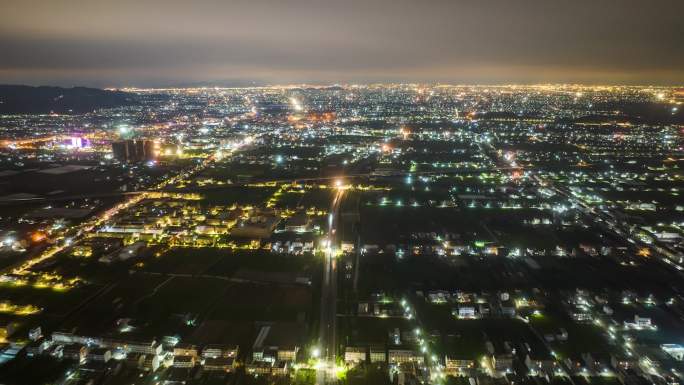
(150, 362)
(256, 227)
(398, 356)
(225, 364)
(185, 350)
(187, 361)
(378, 354)
(280, 368)
(35, 334)
(502, 362)
(457, 366)
(507, 308)
(354, 355)
(143, 347)
(467, 312)
(75, 352)
(298, 223)
(99, 355)
(219, 351)
(277, 342)
(287, 353)
(259, 367)
(540, 365)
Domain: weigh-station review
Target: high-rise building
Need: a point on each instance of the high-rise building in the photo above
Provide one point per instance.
(120, 151)
(149, 150)
(140, 150)
(132, 151)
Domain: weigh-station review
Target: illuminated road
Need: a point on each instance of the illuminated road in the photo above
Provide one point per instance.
(291, 180)
(328, 315)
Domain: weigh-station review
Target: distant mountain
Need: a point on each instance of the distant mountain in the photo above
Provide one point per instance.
(16, 99)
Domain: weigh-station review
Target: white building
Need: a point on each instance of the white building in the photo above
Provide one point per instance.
(354, 354)
(467, 312)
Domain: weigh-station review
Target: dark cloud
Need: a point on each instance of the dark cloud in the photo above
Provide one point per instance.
(157, 42)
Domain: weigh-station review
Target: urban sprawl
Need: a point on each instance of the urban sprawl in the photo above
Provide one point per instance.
(375, 234)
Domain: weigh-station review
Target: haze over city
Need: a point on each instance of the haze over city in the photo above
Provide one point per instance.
(167, 43)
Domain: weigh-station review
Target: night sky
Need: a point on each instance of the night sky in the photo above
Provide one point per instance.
(172, 42)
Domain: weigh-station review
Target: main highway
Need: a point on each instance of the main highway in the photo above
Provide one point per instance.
(328, 309)
(321, 179)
